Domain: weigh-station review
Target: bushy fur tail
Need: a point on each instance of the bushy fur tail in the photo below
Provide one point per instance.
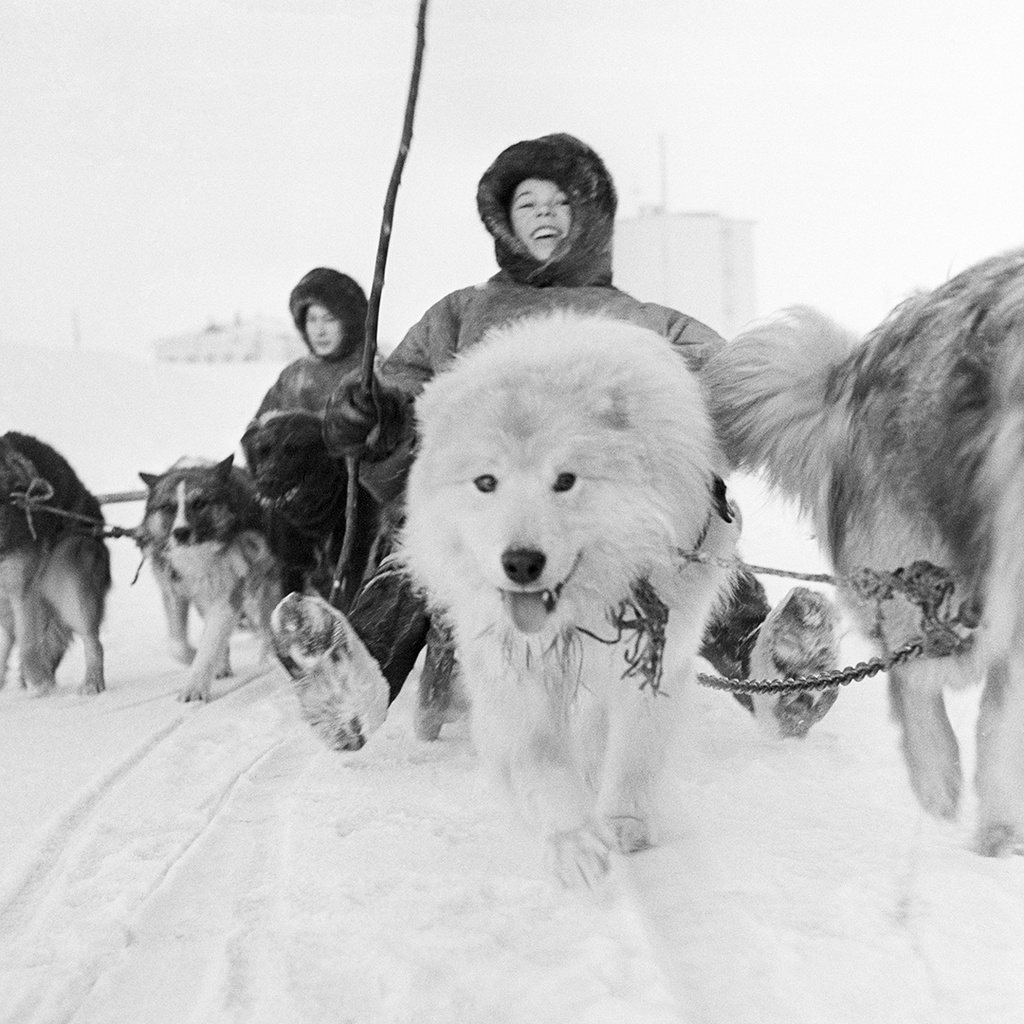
(1004, 481)
(772, 401)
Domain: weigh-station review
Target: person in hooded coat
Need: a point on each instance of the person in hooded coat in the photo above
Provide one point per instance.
(571, 270)
(329, 311)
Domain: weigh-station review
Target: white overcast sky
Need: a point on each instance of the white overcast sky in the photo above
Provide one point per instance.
(165, 162)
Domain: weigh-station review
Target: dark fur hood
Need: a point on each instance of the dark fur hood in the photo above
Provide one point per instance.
(585, 256)
(342, 296)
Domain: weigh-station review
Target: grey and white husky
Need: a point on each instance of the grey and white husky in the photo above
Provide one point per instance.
(203, 533)
(909, 446)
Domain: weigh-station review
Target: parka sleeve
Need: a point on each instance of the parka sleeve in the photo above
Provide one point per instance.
(427, 347)
(695, 340)
(275, 396)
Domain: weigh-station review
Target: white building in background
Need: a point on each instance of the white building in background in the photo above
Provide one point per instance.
(245, 340)
(699, 263)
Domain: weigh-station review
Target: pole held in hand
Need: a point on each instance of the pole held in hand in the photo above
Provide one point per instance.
(342, 586)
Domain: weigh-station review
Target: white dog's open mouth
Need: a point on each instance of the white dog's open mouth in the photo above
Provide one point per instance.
(529, 609)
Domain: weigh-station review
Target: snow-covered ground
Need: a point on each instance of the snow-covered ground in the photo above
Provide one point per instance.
(162, 862)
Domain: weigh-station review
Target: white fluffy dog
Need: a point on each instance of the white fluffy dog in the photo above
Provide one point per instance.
(564, 463)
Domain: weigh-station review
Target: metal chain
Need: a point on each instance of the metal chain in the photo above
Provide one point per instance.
(929, 587)
(819, 680)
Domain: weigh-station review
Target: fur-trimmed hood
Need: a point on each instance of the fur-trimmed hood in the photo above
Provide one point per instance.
(342, 296)
(585, 256)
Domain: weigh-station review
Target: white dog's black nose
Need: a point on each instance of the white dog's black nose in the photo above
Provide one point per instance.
(523, 565)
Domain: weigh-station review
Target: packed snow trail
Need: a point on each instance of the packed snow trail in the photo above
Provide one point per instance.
(236, 871)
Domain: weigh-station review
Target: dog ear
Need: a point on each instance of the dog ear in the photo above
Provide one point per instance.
(149, 479)
(721, 499)
(224, 467)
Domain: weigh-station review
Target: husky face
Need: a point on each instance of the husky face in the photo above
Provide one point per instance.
(196, 503)
(556, 469)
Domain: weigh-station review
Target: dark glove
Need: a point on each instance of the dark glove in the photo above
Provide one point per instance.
(360, 423)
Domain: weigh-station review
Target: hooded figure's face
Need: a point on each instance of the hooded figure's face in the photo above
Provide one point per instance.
(582, 255)
(324, 331)
(540, 216)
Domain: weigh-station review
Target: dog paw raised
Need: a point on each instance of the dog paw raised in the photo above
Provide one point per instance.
(578, 858)
(800, 637)
(341, 691)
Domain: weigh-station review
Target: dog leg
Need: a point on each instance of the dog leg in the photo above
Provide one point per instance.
(547, 785)
(30, 625)
(799, 638)
(222, 668)
(212, 653)
(6, 638)
(76, 609)
(578, 847)
(436, 683)
(1000, 774)
(638, 731)
(929, 745)
(176, 608)
(94, 679)
(341, 691)
(527, 748)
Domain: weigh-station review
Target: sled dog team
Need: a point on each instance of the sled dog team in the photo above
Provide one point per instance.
(543, 470)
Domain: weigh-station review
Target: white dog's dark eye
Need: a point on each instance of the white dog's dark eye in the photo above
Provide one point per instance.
(564, 482)
(485, 483)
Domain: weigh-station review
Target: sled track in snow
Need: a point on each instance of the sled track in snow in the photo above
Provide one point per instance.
(70, 910)
(53, 849)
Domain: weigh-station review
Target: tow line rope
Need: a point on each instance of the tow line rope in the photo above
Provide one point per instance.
(33, 499)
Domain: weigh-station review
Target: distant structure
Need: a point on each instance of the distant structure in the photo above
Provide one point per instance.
(246, 340)
(699, 263)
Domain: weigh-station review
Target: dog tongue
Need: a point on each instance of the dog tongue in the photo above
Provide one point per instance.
(529, 610)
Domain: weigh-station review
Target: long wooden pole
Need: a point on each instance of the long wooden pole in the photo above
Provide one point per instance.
(342, 586)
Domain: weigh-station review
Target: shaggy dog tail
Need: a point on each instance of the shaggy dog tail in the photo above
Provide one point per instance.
(773, 396)
(1004, 478)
